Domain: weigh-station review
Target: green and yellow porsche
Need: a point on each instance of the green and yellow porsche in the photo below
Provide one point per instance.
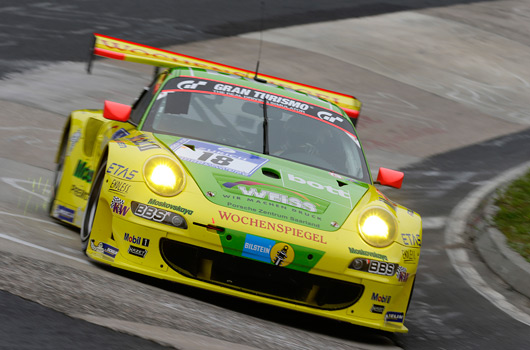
(256, 188)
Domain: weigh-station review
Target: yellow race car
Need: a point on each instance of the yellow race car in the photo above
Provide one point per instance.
(256, 188)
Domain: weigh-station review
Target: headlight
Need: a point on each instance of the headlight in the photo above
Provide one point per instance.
(378, 227)
(164, 176)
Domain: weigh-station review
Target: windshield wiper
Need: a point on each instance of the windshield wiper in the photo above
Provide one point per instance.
(265, 128)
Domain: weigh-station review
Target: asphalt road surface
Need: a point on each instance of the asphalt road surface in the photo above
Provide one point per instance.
(444, 86)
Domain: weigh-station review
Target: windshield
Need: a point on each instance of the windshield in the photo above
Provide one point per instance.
(233, 115)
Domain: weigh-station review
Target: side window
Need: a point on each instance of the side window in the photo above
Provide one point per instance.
(140, 105)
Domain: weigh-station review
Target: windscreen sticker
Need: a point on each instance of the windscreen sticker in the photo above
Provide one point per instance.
(218, 157)
(212, 86)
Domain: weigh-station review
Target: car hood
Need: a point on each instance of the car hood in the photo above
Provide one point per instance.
(266, 185)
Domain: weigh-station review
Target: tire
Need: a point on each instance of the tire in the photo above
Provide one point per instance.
(91, 206)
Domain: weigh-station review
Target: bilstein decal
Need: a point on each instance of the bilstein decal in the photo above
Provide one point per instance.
(282, 254)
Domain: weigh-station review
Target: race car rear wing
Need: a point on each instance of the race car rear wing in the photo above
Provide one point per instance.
(118, 49)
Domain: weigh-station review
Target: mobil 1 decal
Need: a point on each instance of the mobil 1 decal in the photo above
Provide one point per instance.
(271, 201)
(219, 157)
(230, 89)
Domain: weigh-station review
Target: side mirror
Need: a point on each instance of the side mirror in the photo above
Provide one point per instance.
(389, 177)
(116, 111)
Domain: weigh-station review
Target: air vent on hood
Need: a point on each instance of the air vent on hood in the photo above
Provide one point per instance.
(270, 173)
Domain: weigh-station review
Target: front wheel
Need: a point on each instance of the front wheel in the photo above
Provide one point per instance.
(91, 206)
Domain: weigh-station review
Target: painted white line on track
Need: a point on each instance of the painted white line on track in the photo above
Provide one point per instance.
(60, 235)
(28, 218)
(454, 235)
(28, 244)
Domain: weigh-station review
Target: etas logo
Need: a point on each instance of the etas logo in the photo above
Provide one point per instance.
(319, 186)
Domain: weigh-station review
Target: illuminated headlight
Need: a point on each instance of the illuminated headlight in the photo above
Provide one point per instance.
(378, 227)
(164, 176)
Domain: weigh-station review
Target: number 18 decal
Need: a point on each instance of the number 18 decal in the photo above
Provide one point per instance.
(218, 156)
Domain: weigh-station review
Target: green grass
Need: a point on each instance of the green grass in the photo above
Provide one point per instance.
(513, 217)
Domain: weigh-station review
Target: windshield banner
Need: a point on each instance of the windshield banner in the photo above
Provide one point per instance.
(194, 84)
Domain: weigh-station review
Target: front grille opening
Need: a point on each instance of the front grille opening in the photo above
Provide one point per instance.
(259, 278)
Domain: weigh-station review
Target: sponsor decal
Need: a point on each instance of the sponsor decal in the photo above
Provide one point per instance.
(385, 299)
(158, 215)
(136, 251)
(232, 90)
(374, 266)
(190, 84)
(252, 189)
(392, 316)
(136, 240)
(410, 255)
(410, 239)
(73, 140)
(276, 227)
(83, 172)
(276, 100)
(269, 200)
(121, 171)
(258, 248)
(104, 249)
(282, 254)
(377, 309)
(329, 117)
(79, 192)
(121, 144)
(368, 253)
(318, 186)
(64, 213)
(218, 157)
(167, 205)
(265, 212)
(143, 142)
(119, 134)
(118, 207)
(402, 274)
(119, 186)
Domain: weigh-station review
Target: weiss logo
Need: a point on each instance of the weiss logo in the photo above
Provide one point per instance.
(277, 197)
(329, 117)
(190, 84)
